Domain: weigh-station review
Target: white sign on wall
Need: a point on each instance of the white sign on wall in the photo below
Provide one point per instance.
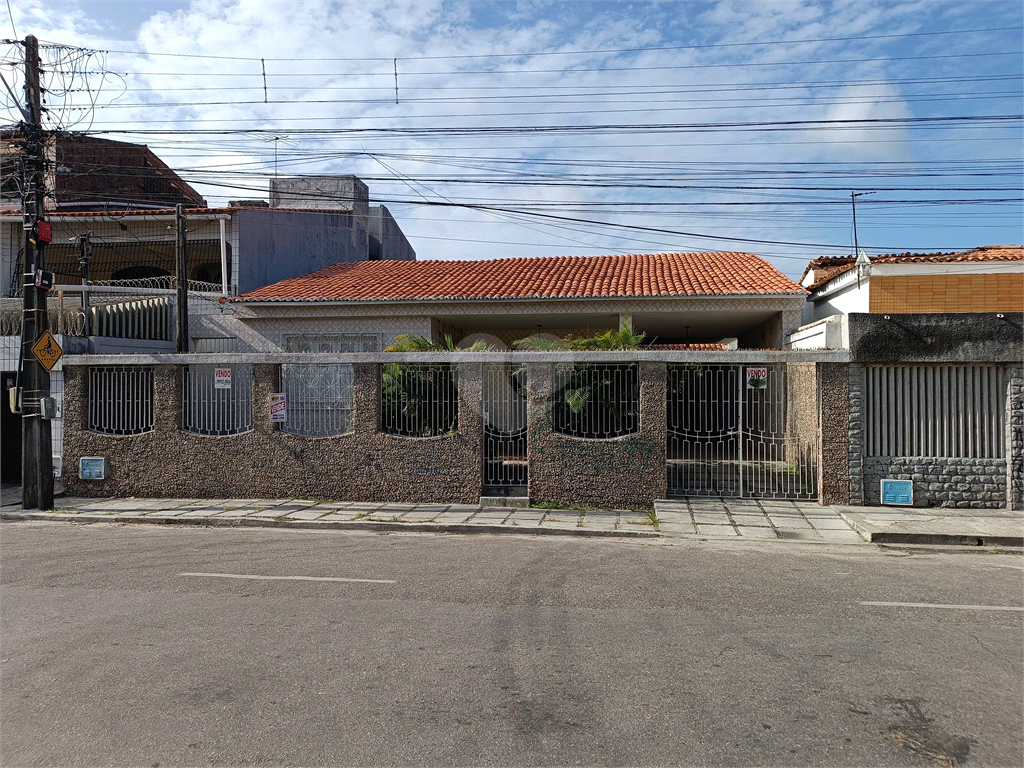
(278, 407)
(222, 378)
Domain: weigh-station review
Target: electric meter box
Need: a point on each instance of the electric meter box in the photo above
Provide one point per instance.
(898, 492)
(92, 468)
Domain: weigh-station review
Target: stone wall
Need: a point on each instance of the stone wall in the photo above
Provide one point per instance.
(940, 482)
(367, 465)
(624, 472)
(362, 465)
(834, 422)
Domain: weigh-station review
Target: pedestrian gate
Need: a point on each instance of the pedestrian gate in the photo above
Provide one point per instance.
(729, 435)
(505, 470)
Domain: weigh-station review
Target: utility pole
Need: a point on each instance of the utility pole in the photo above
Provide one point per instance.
(37, 458)
(181, 273)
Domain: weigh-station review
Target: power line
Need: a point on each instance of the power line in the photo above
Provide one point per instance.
(760, 43)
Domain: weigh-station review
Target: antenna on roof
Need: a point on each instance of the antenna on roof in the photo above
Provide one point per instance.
(853, 202)
(275, 139)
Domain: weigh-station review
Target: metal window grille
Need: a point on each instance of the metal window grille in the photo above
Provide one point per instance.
(332, 342)
(419, 399)
(504, 403)
(319, 399)
(207, 410)
(939, 410)
(728, 437)
(596, 401)
(215, 345)
(120, 400)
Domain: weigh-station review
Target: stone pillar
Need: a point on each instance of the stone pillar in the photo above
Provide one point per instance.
(857, 406)
(539, 432)
(266, 379)
(834, 430)
(1014, 439)
(167, 392)
(74, 402)
(654, 422)
(366, 398)
(471, 419)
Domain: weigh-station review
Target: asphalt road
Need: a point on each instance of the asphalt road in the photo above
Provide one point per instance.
(481, 650)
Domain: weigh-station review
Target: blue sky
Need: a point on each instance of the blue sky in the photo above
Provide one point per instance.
(557, 128)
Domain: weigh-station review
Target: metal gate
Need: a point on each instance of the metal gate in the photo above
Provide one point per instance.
(728, 436)
(504, 412)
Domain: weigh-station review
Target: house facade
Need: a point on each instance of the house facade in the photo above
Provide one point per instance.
(674, 298)
(127, 305)
(934, 379)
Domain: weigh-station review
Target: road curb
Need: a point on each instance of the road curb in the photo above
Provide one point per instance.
(932, 539)
(355, 525)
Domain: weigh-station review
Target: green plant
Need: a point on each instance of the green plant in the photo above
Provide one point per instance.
(593, 400)
(407, 343)
(548, 505)
(421, 400)
(610, 340)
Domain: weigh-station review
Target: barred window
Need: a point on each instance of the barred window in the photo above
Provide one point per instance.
(212, 409)
(319, 399)
(332, 342)
(419, 399)
(120, 400)
(595, 401)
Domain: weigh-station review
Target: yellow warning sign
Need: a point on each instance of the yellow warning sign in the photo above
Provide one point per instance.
(47, 351)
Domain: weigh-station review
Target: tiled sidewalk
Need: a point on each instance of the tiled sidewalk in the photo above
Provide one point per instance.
(754, 519)
(347, 514)
(695, 519)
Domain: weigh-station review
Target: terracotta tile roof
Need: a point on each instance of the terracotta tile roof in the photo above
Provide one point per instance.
(663, 274)
(832, 266)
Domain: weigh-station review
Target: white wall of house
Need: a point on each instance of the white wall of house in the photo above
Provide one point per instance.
(841, 296)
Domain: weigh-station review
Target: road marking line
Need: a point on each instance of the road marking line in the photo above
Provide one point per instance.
(944, 605)
(288, 578)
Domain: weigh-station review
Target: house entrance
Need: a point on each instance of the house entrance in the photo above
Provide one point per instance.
(505, 470)
(728, 434)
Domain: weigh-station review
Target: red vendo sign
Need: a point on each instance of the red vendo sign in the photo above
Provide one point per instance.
(45, 233)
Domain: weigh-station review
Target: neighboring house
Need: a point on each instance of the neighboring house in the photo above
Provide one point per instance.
(936, 344)
(674, 298)
(985, 279)
(131, 296)
(87, 173)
